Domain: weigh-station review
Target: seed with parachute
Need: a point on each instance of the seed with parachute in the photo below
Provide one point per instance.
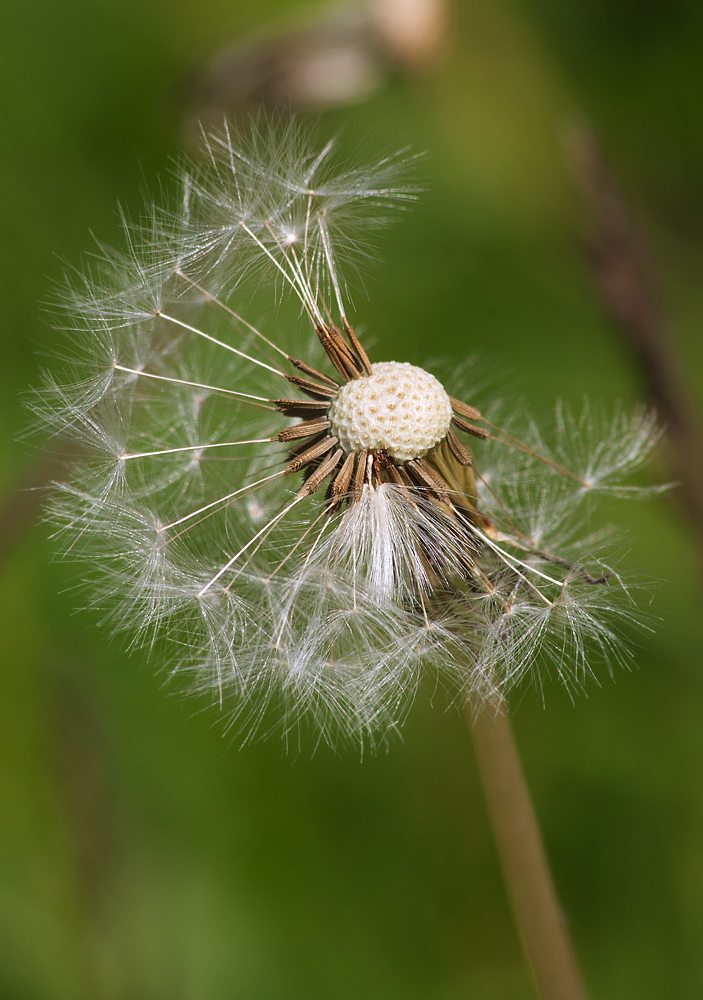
(299, 524)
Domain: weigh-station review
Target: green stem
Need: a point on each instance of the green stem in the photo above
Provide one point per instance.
(538, 915)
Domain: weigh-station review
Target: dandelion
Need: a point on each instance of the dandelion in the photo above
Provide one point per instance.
(294, 523)
(304, 525)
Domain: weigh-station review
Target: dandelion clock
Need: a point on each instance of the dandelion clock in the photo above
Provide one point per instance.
(305, 529)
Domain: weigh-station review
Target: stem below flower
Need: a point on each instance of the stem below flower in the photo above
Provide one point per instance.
(538, 915)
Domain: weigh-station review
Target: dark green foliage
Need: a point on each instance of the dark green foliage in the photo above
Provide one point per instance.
(142, 855)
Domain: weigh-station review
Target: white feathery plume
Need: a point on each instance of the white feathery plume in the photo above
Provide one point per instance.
(308, 528)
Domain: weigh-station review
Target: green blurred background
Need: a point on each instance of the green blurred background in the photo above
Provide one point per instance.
(142, 853)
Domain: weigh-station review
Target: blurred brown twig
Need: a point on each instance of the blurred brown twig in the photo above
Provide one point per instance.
(20, 506)
(625, 279)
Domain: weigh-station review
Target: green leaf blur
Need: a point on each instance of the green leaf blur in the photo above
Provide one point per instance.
(142, 853)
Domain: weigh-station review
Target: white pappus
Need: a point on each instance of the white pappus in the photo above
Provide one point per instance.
(303, 525)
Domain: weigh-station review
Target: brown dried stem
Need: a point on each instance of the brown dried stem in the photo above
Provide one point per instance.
(539, 918)
(624, 277)
(22, 501)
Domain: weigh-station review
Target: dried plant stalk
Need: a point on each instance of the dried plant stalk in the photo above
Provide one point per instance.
(537, 912)
(625, 279)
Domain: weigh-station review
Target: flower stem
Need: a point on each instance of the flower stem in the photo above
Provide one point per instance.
(537, 913)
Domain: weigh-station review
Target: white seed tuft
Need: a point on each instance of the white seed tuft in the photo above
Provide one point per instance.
(399, 409)
(333, 605)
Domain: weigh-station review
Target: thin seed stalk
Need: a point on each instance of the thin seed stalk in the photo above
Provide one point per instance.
(539, 918)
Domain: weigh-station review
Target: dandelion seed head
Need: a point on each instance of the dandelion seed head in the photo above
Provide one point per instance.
(315, 531)
(398, 408)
